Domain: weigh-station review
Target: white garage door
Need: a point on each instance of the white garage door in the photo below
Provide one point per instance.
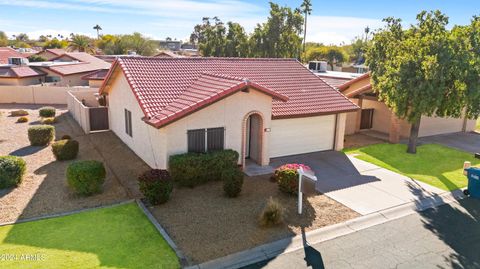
(301, 135)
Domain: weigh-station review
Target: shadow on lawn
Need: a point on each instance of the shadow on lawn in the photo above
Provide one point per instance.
(458, 226)
(431, 162)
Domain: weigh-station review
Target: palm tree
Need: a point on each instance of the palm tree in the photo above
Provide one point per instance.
(306, 8)
(81, 43)
(98, 28)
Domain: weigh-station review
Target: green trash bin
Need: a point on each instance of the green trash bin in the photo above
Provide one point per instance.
(473, 190)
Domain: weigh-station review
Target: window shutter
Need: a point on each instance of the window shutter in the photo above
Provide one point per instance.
(196, 140)
(215, 138)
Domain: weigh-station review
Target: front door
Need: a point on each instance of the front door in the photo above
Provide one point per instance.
(366, 119)
(253, 146)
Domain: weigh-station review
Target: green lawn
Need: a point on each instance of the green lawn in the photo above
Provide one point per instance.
(116, 237)
(434, 164)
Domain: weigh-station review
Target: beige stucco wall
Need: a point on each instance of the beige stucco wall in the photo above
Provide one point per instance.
(228, 113)
(68, 80)
(146, 141)
(95, 83)
(21, 81)
(437, 125)
(36, 94)
(351, 119)
(357, 85)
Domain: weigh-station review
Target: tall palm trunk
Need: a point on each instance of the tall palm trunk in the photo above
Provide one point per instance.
(412, 140)
(304, 37)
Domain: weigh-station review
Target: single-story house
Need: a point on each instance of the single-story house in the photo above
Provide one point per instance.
(168, 54)
(95, 78)
(262, 108)
(49, 54)
(375, 115)
(20, 75)
(6, 53)
(69, 68)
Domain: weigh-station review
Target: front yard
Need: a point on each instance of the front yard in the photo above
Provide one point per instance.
(434, 164)
(115, 237)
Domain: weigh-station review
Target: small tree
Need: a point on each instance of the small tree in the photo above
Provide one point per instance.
(426, 70)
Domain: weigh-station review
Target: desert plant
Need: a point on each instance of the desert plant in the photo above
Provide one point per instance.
(41, 135)
(232, 181)
(12, 169)
(192, 169)
(47, 112)
(18, 113)
(272, 213)
(22, 119)
(86, 177)
(156, 185)
(66, 149)
(50, 120)
(286, 177)
(66, 137)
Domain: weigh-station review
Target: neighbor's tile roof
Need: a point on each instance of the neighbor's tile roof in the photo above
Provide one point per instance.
(96, 75)
(345, 85)
(159, 82)
(6, 53)
(334, 81)
(205, 90)
(19, 72)
(88, 63)
(57, 52)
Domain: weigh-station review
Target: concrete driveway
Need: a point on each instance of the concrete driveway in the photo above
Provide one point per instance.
(362, 186)
(469, 142)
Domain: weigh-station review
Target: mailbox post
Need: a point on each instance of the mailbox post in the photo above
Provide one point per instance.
(307, 187)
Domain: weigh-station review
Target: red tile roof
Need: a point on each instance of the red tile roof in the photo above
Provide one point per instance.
(207, 89)
(334, 81)
(57, 52)
(159, 82)
(88, 63)
(19, 72)
(96, 75)
(168, 54)
(6, 53)
(345, 85)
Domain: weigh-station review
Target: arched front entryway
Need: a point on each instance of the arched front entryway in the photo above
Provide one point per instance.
(253, 138)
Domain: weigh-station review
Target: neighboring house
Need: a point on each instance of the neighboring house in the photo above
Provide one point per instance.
(20, 76)
(173, 45)
(262, 108)
(95, 79)
(69, 68)
(375, 115)
(168, 54)
(6, 53)
(49, 54)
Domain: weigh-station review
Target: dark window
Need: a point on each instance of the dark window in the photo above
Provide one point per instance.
(203, 140)
(196, 140)
(128, 122)
(215, 138)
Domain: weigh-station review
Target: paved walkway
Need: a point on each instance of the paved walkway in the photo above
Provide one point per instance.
(362, 186)
(469, 142)
(445, 237)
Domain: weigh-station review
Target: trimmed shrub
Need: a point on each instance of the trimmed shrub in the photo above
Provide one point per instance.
(86, 177)
(66, 149)
(232, 181)
(272, 213)
(47, 112)
(22, 119)
(12, 169)
(286, 177)
(51, 120)
(192, 169)
(41, 135)
(156, 185)
(18, 113)
(66, 137)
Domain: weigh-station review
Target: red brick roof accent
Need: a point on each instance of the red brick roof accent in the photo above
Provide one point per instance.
(19, 72)
(6, 53)
(348, 83)
(207, 89)
(96, 75)
(158, 82)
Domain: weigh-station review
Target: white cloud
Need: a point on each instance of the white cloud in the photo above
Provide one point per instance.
(337, 29)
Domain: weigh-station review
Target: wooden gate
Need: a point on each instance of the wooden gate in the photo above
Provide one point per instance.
(98, 118)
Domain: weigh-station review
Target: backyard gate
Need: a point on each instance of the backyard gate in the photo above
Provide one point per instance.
(98, 118)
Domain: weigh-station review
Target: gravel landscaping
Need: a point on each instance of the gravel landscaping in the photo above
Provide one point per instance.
(207, 225)
(44, 189)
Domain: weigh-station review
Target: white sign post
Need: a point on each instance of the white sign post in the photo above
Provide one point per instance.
(301, 174)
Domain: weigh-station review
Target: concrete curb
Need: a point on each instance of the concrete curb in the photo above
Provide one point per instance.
(183, 260)
(271, 250)
(65, 213)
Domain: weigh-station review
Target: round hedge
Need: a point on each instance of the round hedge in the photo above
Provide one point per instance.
(232, 181)
(286, 177)
(12, 169)
(65, 149)
(47, 112)
(41, 135)
(156, 185)
(22, 119)
(86, 177)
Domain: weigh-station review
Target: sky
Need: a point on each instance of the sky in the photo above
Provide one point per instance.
(331, 22)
